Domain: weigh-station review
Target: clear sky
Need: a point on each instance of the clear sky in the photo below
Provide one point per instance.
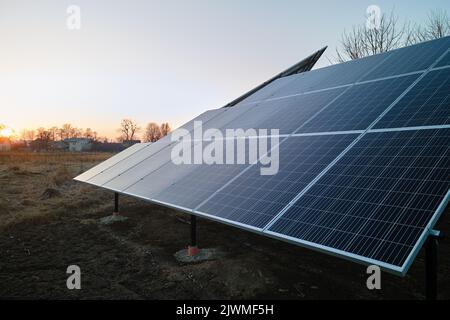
(158, 60)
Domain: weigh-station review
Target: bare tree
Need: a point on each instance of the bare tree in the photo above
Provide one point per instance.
(90, 134)
(76, 133)
(53, 133)
(152, 132)
(437, 26)
(362, 41)
(65, 131)
(128, 129)
(165, 129)
(390, 34)
(44, 137)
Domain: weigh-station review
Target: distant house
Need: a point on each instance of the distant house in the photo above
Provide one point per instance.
(79, 144)
(60, 145)
(5, 144)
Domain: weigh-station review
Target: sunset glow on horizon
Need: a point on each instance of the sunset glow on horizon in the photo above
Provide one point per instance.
(156, 61)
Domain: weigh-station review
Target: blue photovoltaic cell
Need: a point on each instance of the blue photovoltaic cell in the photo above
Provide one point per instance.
(445, 61)
(254, 199)
(285, 114)
(409, 59)
(191, 190)
(201, 183)
(187, 184)
(359, 106)
(332, 76)
(376, 201)
(428, 103)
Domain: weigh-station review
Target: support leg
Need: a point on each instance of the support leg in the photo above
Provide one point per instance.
(116, 204)
(193, 249)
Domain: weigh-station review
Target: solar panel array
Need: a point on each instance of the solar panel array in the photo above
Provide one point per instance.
(364, 167)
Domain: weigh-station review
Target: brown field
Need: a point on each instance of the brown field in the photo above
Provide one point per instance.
(48, 221)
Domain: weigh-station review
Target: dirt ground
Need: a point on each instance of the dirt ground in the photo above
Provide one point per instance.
(48, 222)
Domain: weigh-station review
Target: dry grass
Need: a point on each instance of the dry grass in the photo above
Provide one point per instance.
(36, 187)
(52, 157)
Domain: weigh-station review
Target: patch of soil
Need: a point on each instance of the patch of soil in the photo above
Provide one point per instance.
(134, 259)
(50, 193)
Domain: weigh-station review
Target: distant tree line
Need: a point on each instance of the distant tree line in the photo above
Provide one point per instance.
(66, 131)
(153, 132)
(129, 130)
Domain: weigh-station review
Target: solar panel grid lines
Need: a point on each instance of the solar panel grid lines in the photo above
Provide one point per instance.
(401, 216)
(420, 178)
(145, 165)
(109, 162)
(283, 211)
(389, 108)
(376, 61)
(395, 76)
(428, 230)
(409, 128)
(386, 57)
(335, 75)
(426, 104)
(200, 183)
(359, 106)
(102, 172)
(147, 169)
(445, 61)
(307, 187)
(413, 58)
(203, 180)
(366, 190)
(222, 117)
(286, 115)
(237, 176)
(254, 199)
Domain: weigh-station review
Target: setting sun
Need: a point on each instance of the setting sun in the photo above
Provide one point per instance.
(6, 132)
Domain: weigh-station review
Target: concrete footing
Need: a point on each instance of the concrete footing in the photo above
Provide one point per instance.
(201, 255)
(115, 217)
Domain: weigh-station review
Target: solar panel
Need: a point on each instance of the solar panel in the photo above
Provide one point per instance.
(359, 106)
(253, 199)
(378, 200)
(411, 59)
(427, 104)
(364, 167)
